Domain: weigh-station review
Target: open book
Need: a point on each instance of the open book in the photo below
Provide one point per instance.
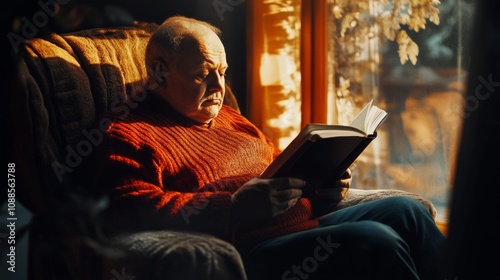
(321, 153)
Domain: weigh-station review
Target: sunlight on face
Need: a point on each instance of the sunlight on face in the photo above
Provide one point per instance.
(195, 86)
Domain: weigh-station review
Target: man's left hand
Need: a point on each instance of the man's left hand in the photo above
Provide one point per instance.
(325, 200)
(338, 191)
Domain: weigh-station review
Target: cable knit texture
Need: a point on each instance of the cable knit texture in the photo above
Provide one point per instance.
(164, 171)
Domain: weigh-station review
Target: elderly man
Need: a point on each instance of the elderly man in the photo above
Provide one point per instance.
(182, 160)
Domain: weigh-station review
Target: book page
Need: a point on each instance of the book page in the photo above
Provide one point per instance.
(369, 118)
(359, 121)
(375, 118)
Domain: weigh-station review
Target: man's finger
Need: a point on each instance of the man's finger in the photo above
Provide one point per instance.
(287, 194)
(289, 182)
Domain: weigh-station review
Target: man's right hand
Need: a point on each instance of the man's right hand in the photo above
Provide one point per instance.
(261, 199)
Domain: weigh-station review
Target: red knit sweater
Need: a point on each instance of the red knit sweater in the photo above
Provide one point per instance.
(163, 171)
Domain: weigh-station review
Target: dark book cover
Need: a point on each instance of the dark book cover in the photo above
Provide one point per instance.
(321, 161)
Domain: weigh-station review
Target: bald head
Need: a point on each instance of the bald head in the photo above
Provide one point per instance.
(178, 35)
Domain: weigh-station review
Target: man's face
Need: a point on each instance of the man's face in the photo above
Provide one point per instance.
(195, 86)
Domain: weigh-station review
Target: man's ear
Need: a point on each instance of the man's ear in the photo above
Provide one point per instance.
(159, 71)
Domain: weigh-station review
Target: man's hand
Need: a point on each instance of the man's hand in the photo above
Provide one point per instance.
(261, 199)
(327, 199)
(338, 191)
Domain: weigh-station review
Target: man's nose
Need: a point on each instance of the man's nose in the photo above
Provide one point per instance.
(217, 82)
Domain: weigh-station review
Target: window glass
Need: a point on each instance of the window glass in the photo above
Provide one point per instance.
(421, 82)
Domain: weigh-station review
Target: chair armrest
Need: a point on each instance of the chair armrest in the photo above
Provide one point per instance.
(356, 196)
(169, 254)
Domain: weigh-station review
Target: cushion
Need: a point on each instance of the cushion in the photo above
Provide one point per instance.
(355, 196)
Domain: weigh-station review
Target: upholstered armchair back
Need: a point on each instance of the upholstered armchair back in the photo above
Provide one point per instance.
(69, 81)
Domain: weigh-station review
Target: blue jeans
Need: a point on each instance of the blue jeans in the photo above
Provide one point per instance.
(390, 238)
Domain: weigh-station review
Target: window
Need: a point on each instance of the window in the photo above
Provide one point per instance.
(327, 58)
(415, 68)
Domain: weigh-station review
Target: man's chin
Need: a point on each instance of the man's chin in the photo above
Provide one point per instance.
(208, 114)
(212, 109)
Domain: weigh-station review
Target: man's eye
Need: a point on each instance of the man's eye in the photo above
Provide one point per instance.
(205, 75)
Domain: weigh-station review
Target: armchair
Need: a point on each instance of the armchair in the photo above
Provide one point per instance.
(67, 82)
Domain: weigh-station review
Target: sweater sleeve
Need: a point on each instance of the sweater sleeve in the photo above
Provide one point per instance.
(135, 181)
